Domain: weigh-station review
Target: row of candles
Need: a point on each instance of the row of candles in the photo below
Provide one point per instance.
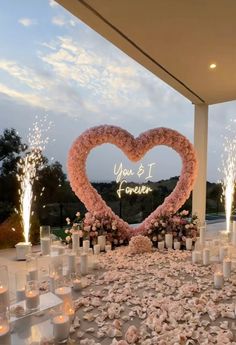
(61, 261)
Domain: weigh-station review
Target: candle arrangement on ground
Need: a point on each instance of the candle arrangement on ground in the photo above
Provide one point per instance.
(191, 290)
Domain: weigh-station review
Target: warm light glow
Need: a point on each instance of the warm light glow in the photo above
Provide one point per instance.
(120, 172)
(229, 171)
(27, 170)
(212, 66)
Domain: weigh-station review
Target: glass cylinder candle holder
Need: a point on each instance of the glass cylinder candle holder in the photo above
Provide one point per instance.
(45, 239)
(5, 336)
(68, 309)
(4, 288)
(56, 264)
(32, 295)
(84, 264)
(76, 282)
(32, 267)
(53, 278)
(71, 262)
(65, 294)
(61, 327)
(218, 277)
(75, 241)
(20, 277)
(227, 265)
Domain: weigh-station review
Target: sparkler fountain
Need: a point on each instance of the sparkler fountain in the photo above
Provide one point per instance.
(28, 167)
(229, 172)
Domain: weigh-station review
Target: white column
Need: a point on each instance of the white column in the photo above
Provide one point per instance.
(200, 144)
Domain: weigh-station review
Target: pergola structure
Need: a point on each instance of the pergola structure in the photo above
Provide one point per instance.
(189, 44)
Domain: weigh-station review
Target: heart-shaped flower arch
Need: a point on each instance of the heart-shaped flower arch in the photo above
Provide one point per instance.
(134, 149)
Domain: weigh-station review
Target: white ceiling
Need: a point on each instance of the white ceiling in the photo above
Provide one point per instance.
(175, 39)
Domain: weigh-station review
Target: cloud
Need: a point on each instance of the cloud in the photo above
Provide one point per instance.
(27, 22)
(28, 98)
(58, 21)
(73, 78)
(53, 3)
(25, 75)
(62, 21)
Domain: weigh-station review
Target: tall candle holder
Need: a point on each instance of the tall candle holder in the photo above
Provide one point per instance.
(32, 267)
(56, 264)
(32, 295)
(65, 294)
(218, 277)
(45, 239)
(20, 277)
(5, 336)
(75, 241)
(61, 327)
(4, 288)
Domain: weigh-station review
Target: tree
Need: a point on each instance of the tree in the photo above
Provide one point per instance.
(11, 147)
(10, 143)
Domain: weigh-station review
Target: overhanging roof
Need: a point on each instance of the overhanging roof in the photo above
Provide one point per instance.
(177, 40)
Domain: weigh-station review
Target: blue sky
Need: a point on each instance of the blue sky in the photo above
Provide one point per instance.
(52, 63)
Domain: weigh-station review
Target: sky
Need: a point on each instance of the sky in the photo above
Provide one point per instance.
(52, 63)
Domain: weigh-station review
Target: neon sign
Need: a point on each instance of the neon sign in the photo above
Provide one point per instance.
(122, 173)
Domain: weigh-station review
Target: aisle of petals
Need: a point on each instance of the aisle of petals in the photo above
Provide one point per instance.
(155, 298)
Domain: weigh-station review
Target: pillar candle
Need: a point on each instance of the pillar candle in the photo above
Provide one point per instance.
(4, 297)
(161, 245)
(95, 262)
(86, 245)
(202, 230)
(223, 252)
(53, 278)
(218, 280)
(227, 268)
(61, 327)
(20, 294)
(71, 262)
(96, 249)
(196, 257)
(75, 241)
(32, 299)
(64, 293)
(5, 337)
(70, 312)
(45, 245)
(108, 247)
(32, 274)
(57, 263)
(84, 264)
(102, 242)
(176, 245)
(206, 256)
(189, 243)
(234, 233)
(77, 285)
(169, 240)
